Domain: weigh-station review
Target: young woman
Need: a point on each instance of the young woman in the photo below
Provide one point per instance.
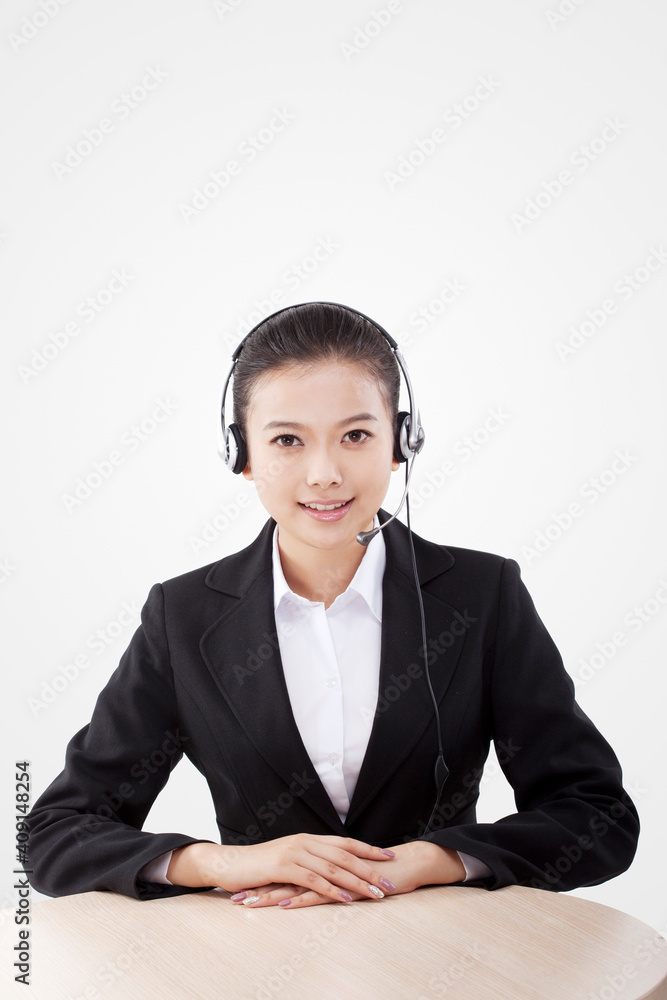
(299, 677)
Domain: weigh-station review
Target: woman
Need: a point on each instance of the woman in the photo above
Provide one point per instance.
(301, 676)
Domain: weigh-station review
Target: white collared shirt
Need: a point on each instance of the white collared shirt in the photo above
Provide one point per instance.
(331, 662)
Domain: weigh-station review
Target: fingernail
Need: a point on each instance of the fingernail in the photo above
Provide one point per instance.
(250, 899)
(284, 902)
(376, 892)
(390, 854)
(238, 897)
(346, 896)
(386, 884)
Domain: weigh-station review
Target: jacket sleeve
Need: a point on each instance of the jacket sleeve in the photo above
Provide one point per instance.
(85, 829)
(575, 825)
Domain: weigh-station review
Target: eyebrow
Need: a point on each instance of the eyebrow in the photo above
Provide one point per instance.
(300, 427)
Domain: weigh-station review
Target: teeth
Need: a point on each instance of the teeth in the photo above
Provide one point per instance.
(321, 506)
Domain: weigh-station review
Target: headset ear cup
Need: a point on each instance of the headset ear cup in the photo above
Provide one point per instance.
(401, 450)
(237, 462)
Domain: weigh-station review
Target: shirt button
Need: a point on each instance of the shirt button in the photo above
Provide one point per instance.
(332, 682)
(333, 758)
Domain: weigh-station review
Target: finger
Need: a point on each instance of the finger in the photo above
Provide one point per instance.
(298, 898)
(360, 848)
(349, 873)
(310, 898)
(240, 897)
(261, 890)
(316, 871)
(345, 858)
(283, 895)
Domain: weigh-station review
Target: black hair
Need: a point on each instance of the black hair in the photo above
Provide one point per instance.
(308, 334)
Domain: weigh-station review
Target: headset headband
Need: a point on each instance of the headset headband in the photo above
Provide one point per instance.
(410, 433)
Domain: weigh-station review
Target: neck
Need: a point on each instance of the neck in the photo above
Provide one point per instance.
(319, 574)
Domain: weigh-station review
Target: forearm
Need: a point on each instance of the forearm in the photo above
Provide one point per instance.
(74, 852)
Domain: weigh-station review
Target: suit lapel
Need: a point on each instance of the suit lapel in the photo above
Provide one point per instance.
(241, 650)
(404, 707)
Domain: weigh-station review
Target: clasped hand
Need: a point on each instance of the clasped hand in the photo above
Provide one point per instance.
(307, 869)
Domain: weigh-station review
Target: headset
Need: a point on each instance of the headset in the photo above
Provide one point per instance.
(408, 442)
(409, 435)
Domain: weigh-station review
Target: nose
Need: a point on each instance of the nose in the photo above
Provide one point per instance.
(323, 470)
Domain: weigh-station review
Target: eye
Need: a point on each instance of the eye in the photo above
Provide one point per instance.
(289, 438)
(358, 440)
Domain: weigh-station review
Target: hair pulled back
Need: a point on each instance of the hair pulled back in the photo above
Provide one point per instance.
(309, 334)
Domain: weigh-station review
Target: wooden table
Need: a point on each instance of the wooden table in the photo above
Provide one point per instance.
(443, 941)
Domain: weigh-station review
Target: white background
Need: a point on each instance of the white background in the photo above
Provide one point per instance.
(357, 100)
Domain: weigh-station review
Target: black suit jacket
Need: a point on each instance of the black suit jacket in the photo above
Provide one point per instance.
(203, 676)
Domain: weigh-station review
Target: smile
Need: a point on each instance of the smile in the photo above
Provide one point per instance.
(327, 511)
(321, 506)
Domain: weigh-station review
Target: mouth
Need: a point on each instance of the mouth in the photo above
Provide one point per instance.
(323, 506)
(327, 512)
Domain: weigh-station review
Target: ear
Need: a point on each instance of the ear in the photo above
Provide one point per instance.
(247, 473)
(395, 465)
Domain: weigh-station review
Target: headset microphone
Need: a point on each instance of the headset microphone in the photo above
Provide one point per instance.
(364, 537)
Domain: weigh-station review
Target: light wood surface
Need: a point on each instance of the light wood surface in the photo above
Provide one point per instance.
(444, 941)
